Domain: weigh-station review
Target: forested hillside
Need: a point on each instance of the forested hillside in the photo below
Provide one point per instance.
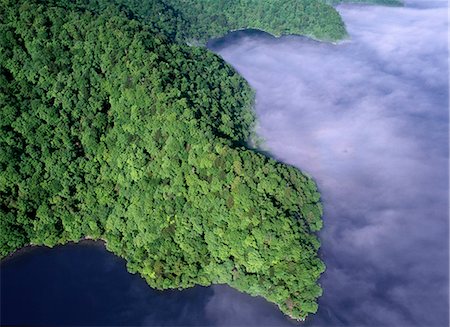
(196, 21)
(213, 18)
(110, 130)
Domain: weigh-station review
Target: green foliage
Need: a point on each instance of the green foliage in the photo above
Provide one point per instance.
(110, 130)
(197, 21)
(211, 18)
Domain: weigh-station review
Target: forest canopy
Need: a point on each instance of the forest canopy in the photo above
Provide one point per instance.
(197, 21)
(112, 128)
(212, 18)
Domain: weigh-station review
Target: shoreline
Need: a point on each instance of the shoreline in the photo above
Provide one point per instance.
(31, 247)
(88, 240)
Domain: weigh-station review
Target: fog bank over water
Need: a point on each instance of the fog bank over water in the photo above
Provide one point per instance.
(368, 119)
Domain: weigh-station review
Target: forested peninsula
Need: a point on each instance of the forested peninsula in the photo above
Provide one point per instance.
(113, 127)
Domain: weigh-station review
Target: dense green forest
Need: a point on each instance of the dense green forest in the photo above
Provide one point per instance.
(278, 17)
(113, 129)
(197, 21)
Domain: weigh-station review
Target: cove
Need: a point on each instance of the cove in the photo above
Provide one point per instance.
(368, 119)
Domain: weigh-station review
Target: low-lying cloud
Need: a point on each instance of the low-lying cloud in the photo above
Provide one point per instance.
(367, 118)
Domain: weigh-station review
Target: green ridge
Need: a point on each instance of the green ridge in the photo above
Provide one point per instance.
(211, 18)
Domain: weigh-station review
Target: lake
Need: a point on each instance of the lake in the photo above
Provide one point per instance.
(368, 119)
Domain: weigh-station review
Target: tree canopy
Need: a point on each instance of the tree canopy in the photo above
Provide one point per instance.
(110, 129)
(197, 21)
(211, 18)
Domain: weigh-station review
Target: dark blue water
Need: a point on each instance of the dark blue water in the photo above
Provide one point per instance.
(367, 118)
(83, 284)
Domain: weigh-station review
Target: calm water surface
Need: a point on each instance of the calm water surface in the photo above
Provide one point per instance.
(367, 118)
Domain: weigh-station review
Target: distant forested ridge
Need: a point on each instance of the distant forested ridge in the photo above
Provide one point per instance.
(278, 17)
(197, 21)
(112, 128)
